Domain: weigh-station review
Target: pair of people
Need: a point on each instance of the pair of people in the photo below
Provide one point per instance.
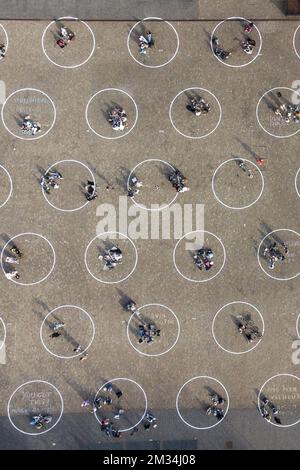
(90, 191)
(204, 258)
(219, 51)
(178, 181)
(50, 180)
(39, 421)
(273, 254)
(118, 119)
(145, 42)
(248, 329)
(147, 333)
(111, 257)
(30, 127)
(248, 45)
(198, 106)
(135, 184)
(65, 36)
(289, 112)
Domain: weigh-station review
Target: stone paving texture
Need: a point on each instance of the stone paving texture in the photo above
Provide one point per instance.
(155, 279)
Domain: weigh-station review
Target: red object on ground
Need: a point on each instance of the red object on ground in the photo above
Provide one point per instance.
(260, 161)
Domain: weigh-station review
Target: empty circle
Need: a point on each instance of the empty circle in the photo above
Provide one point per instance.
(33, 402)
(4, 334)
(29, 252)
(197, 397)
(296, 41)
(130, 389)
(93, 264)
(186, 123)
(69, 184)
(97, 119)
(75, 330)
(277, 389)
(32, 102)
(187, 261)
(240, 54)
(6, 188)
(275, 238)
(225, 330)
(161, 40)
(229, 184)
(150, 187)
(84, 41)
(163, 323)
(270, 102)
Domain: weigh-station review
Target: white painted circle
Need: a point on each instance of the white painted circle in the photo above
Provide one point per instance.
(132, 172)
(139, 386)
(294, 42)
(186, 383)
(69, 66)
(51, 427)
(4, 336)
(243, 207)
(37, 235)
(223, 62)
(258, 257)
(10, 184)
(45, 194)
(74, 355)
(137, 313)
(120, 280)
(296, 182)
(189, 233)
(28, 138)
(260, 391)
(103, 136)
(190, 136)
(153, 66)
(227, 305)
(6, 37)
(257, 117)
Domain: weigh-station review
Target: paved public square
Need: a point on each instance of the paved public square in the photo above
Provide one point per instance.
(200, 351)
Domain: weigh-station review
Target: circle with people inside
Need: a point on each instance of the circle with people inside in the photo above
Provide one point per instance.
(238, 327)
(244, 183)
(111, 113)
(278, 254)
(236, 41)
(119, 406)
(67, 332)
(199, 256)
(28, 114)
(154, 184)
(153, 329)
(202, 402)
(111, 257)
(68, 42)
(195, 113)
(35, 407)
(6, 186)
(27, 259)
(68, 185)
(153, 42)
(278, 400)
(278, 112)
